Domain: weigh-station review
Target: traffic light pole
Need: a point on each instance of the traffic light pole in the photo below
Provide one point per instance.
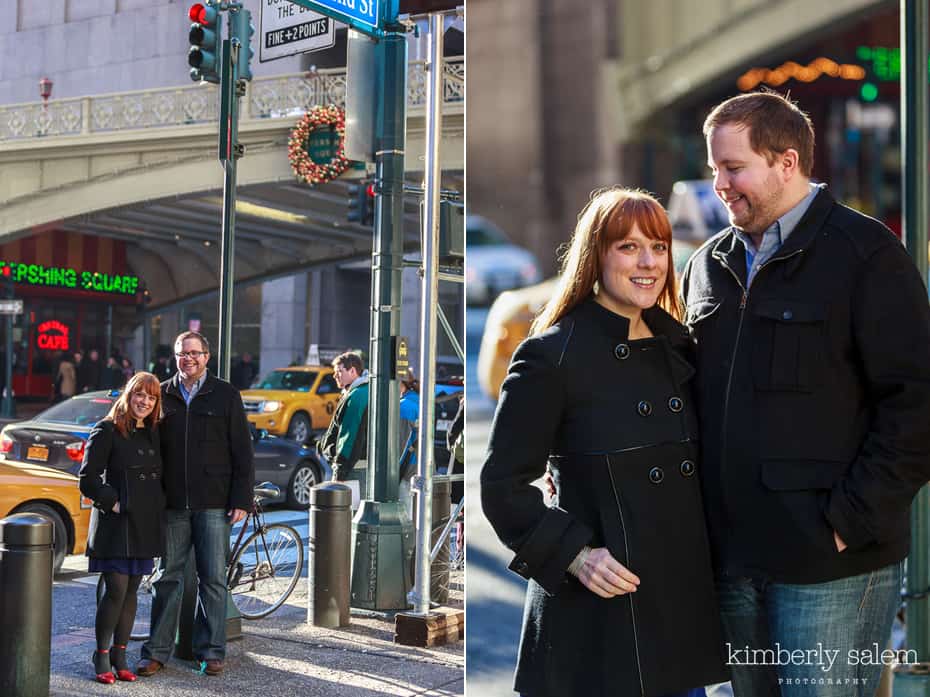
(429, 303)
(382, 532)
(912, 680)
(9, 409)
(229, 152)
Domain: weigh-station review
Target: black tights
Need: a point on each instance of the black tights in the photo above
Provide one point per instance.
(117, 609)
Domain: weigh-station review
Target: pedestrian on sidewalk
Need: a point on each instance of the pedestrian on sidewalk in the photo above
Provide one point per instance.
(89, 371)
(122, 475)
(66, 379)
(209, 475)
(620, 598)
(409, 414)
(345, 442)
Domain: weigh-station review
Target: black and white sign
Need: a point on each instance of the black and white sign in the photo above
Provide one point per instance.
(288, 29)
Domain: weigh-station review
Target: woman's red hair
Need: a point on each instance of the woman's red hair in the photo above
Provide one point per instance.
(609, 216)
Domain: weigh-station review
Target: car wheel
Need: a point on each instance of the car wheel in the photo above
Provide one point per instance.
(60, 531)
(299, 428)
(298, 489)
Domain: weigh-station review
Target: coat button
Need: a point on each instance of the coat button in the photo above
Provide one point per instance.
(622, 351)
(522, 567)
(142, 476)
(151, 451)
(656, 475)
(141, 452)
(687, 468)
(675, 404)
(644, 408)
(787, 315)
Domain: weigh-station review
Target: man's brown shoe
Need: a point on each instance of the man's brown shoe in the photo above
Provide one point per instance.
(147, 667)
(214, 666)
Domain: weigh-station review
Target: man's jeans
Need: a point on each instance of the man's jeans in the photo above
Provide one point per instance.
(823, 639)
(207, 532)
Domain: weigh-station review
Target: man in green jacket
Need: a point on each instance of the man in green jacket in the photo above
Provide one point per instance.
(346, 439)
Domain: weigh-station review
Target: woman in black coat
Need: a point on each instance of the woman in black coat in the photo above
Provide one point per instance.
(122, 474)
(620, 599)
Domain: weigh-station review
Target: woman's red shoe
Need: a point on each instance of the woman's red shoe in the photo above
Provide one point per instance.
(118, 662)
(125, 675)
(101, 661)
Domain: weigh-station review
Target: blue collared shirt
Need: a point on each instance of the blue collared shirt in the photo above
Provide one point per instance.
(195, 388)
(774, 237)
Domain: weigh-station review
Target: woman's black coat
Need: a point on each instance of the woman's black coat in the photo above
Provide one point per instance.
(615, 420)
(128, 470)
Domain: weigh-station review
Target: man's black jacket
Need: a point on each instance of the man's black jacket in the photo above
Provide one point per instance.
(206, 447)
(814, 396)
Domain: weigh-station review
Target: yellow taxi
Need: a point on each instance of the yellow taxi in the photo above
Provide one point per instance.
(31, 488)
(508, 324)
(293, 401)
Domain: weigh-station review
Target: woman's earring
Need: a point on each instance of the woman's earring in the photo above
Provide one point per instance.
(596, 288)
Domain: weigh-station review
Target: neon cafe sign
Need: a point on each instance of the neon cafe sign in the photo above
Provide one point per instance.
(53, 336)
(60, 277)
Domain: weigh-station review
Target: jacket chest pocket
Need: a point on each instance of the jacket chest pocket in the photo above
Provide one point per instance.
(211, 424)
(788, 345)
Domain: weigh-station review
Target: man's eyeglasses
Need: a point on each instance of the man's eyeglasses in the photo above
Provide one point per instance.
(193, 355)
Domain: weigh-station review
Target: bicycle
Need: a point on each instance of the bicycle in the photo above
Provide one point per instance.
(264, 567)
(266, 564)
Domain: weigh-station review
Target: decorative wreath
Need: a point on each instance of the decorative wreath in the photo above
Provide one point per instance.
(305, 168)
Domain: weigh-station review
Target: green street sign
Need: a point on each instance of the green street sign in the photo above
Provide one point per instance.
(322, 145)
(362, 15)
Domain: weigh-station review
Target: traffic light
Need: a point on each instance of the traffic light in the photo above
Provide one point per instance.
(206, 42)
(243, 29)
(361, 203)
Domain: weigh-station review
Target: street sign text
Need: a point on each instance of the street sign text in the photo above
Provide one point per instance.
(288, 29)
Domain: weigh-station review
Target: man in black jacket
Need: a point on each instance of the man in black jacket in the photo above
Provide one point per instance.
(206, 449)
(813, 334)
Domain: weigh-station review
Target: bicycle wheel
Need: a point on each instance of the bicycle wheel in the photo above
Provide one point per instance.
(265, 570)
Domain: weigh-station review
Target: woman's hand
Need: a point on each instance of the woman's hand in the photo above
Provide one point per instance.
(116, 507)
(602, 574)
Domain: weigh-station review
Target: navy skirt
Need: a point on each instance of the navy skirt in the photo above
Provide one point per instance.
(130, 567)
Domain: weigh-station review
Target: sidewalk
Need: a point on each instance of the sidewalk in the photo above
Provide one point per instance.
(279, 655)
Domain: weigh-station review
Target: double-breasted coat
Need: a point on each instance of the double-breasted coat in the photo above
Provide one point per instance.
(127, 469)
(615, 420)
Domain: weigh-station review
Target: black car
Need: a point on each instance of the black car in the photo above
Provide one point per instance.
(56, 438)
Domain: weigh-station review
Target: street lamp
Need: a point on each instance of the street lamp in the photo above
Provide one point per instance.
(45, 89)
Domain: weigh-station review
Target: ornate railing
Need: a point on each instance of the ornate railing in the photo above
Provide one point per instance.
(268, 97)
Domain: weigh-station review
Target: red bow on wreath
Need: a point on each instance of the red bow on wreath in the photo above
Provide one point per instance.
(305, 168)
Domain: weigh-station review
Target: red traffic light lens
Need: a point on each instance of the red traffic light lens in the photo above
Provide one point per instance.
(197, 13)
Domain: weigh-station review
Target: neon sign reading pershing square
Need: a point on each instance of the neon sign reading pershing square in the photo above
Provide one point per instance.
(58, 277)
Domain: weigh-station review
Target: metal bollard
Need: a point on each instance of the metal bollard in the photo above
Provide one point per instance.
(329, 573)
(439, 571)
(26, 558)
